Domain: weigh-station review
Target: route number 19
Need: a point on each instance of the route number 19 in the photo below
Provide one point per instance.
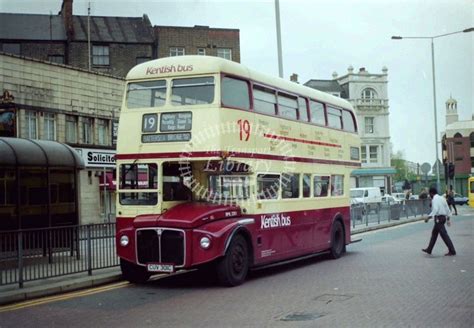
(244, 127)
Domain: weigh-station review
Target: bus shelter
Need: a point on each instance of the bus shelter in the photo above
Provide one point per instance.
(38, 184)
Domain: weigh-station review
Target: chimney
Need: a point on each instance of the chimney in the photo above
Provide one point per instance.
(294, 78)
(362, 70)
(66, 13)
(334, 75)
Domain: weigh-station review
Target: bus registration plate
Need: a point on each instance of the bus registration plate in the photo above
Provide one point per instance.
(155, 267)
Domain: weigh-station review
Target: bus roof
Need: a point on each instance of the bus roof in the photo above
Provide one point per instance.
(197, 65)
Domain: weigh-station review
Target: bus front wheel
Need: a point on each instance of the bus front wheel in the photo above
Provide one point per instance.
(337, 240)
(134, 273)
(233, 267)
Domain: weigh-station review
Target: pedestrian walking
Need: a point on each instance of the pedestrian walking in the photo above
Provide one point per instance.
(450, 198)
(440, 213)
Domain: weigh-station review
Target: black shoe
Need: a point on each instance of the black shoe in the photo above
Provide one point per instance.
(426, 251)
(449, 254)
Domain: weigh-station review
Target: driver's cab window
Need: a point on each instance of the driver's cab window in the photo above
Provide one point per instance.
(175, 184)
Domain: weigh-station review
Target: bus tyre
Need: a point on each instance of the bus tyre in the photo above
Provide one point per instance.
(233, 267)
(337, 240)
(134, 273)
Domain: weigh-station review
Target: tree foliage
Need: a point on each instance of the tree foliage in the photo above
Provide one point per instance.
(401, 167)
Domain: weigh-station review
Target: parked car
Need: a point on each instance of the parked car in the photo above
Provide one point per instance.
(389, 199)
(460, 199)
(371, 197)
(399, 195)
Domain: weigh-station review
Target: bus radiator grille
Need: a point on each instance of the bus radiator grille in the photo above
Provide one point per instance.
(171, 243)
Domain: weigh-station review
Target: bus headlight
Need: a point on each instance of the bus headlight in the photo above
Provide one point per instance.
(205, 242)
(124, 241)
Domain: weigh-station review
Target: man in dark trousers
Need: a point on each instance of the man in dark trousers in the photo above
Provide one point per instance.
(440, 213)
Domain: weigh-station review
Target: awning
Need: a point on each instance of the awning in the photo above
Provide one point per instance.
(37, 153)
(374, 171)
(110, 183)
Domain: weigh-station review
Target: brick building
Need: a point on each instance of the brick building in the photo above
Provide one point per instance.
(48, 101)
(458, 146)
(198, 40)
(111, 45)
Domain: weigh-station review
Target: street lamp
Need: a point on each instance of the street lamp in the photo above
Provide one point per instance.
(471, 29)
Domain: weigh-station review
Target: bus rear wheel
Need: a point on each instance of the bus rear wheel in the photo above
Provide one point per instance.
(337, 240)
(233, 267)
(134, 273)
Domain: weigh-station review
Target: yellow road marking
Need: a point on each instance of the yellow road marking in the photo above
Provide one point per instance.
(76, 294)
(63, 297)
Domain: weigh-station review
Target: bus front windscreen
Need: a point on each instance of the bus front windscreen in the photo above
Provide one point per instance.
(192, 91)
(146, 94)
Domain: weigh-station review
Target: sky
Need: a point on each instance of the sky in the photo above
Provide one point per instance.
(320, 37)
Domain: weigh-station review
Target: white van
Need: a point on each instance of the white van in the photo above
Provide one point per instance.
(371, 197)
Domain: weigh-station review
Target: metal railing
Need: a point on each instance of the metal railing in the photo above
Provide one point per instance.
(35, 254)
(362, 214)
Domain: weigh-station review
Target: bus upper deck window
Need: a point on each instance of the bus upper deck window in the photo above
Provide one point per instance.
(193, 91)
(235, 93)
(146, 94)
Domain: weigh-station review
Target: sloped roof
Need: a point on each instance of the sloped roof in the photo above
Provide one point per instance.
(28, 152)
(325, 86)
(31, 27)
(113, 29)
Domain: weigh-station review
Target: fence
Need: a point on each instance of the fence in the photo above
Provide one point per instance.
(29, 255)
(384, 212)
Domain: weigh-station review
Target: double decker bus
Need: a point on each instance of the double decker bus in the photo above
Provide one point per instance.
(219, 165)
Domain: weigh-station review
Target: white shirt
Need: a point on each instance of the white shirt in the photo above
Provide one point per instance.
(439, 206)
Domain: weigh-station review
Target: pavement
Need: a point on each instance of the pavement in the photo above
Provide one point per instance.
(69, 283)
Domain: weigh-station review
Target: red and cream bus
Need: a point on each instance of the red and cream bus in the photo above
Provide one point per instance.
(220, 165)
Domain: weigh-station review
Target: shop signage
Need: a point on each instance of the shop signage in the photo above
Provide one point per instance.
(97, 157)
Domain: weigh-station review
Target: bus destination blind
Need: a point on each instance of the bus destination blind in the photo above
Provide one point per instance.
(166, 137)
(176, 122)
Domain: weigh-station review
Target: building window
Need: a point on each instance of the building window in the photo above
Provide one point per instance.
(369, 125)
(224, 53)
(12, 48)
(87, 130)
(176, 51)
(201, 51)
(102, 131)
(100, 55)
(142, 59)
(31, 125)
(373, 150)
(363, 154)
(471, 136)
(368, 94)
(58, 59)
(71, 129)
(49, 123)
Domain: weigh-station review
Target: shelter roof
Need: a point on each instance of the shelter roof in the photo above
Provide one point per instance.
(38, 153)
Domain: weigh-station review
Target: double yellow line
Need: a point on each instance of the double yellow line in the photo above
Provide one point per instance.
(63, 297)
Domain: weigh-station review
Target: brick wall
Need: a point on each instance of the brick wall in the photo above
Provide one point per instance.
(192, 38)
(122, 57)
